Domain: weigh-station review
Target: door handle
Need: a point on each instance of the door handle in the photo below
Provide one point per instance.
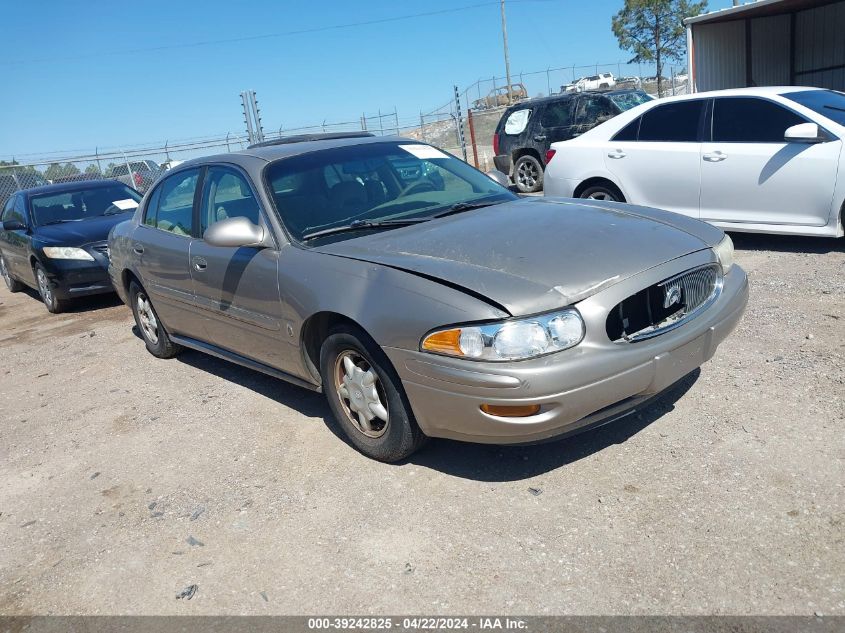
(138, 248)
(715, 157)
(200, 264)
(540, 138)
(616, 154)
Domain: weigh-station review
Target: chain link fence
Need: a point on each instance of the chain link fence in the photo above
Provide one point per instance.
(481, 106)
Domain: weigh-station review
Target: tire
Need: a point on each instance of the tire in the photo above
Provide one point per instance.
(11, 283)
(357, 376)
(48, 296)
(149, 325)
(607, 193)
(528, 174)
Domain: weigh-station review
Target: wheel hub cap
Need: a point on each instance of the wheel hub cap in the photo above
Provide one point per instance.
(361, 394)
(147, 319)
(44, 287)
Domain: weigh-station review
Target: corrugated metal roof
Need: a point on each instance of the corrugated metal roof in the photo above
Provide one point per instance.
(755, 9)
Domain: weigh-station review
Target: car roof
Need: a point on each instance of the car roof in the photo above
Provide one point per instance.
(762, 91)
(73, 185)
(572, 95)
(270, 153)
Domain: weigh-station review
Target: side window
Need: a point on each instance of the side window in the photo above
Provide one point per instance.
(557, 114)
(744, 120)
(675, 122)
(9, 210)
(593, 110)
(226, 194)
(629, 132)
(152, 208)
(175, 208)
(517, 121)
(20, 213)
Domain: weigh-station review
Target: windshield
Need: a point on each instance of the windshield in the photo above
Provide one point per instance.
(373, 182)
(828, 103)
(81, 204)
(628, 100)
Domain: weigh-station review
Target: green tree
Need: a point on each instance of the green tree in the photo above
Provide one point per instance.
(653, 30)
(53, 171)
(93, 170)
(70, 169)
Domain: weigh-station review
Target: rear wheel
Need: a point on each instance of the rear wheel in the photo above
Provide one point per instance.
(11, 283)
(366, 396)
(603, 192)
(528, 174)
(48, 294)
(152, 331)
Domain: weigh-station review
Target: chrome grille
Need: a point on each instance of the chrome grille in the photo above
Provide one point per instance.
(665, 305)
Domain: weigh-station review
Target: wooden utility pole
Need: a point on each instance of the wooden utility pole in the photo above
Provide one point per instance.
(507, 56)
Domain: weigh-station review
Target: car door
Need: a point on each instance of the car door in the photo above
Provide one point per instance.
(161, 248)
(656, 158)
(749, 173)
(237, 289)
(15, 244)
(555, 124)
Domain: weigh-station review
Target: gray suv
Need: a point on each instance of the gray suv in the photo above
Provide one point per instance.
(420, 295)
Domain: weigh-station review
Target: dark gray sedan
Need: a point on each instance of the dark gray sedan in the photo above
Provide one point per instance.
(421, 296)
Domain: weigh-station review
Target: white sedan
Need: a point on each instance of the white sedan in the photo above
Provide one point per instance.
(762, 160)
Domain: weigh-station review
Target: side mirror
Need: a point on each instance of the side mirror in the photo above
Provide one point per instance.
(235, 233)
(805, 133)
(12, 225)
(499, 177)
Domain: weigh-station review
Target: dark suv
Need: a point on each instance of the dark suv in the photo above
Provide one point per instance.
(526, 130)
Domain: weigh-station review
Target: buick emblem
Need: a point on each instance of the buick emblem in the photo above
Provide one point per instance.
(672, 296)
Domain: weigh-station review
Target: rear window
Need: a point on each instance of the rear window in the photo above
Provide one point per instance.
(627, 100)
(828, 103)
(675, 122)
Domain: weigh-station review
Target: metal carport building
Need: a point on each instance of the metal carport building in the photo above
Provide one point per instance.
(768, 43)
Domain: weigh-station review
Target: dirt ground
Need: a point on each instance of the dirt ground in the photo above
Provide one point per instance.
(125, 479)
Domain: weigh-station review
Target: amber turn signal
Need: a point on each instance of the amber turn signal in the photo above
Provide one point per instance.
(445, 342)
(516, 411)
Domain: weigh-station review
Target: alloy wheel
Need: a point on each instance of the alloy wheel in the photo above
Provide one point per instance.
(44, 287)
(5, 272)
(147, 318)
(601, 195)
(527, 174)
(361, 394)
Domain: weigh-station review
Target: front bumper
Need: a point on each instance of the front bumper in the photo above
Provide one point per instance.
(72, 278)
(595, 381)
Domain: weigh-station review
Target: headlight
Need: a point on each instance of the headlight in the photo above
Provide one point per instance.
(725, 252)
(66, 252)
(516, 339)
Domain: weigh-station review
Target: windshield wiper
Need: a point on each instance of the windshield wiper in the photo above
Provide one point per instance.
(56, 222)
(361, 225)
(830, 107)
(464, 206)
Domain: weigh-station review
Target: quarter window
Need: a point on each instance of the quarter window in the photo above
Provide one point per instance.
(629, 132)
(517, 121)
(743, 120)
(226, 195)
(171, 207)
(676, 122)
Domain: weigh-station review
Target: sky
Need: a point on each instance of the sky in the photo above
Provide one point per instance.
(84, 75)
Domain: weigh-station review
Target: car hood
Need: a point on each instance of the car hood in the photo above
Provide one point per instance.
(82, 232)
(534, 254)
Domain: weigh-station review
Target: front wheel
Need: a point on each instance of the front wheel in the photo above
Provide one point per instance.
(48, 294)
(11, 283)
(528, 174)
(603, 192)
(366, 396)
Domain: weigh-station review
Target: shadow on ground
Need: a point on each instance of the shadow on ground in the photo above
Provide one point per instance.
(81, 304)
(480, 462)
(786, 243)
